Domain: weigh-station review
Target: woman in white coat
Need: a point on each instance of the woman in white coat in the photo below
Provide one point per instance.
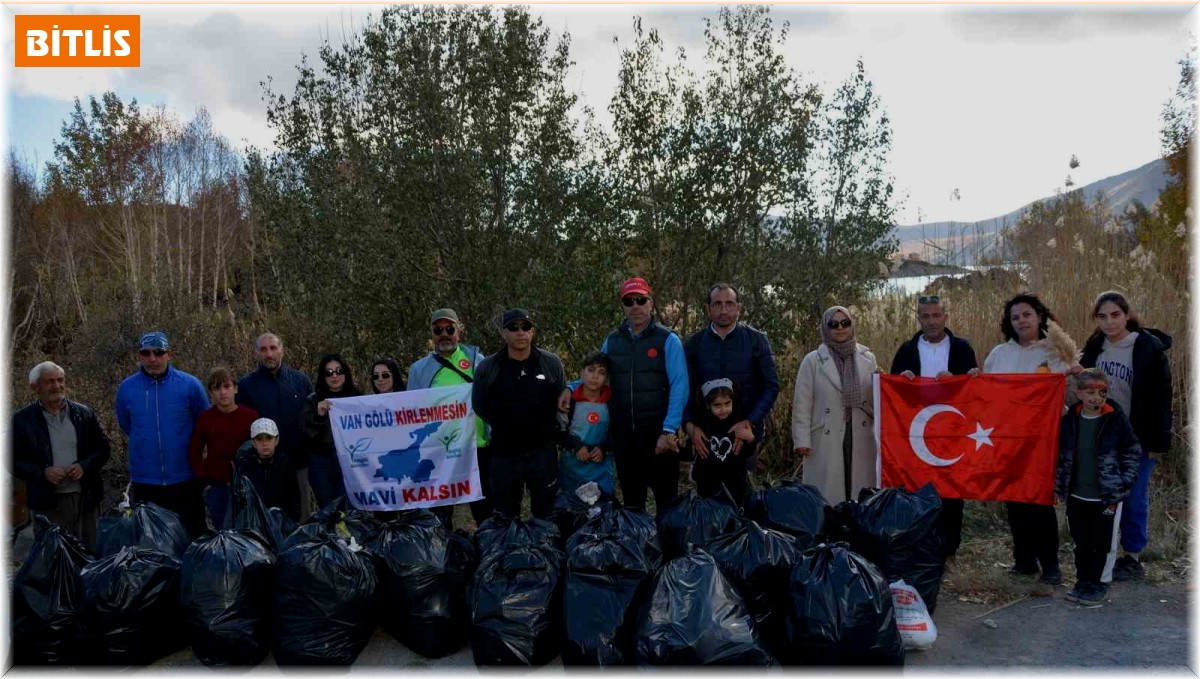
(833, 416)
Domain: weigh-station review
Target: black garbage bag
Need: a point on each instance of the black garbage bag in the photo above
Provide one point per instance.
(693, 520)
(47, 594)
(227, 588)
(516, 596)
(423, 575)
(570, 512)
(323, 599)
(840, 612)
(342, 520)
(144, 525)
(758, 561)
(130, 613)
(797, 509)
(610, 562)
(501, 530)
(694, 616)
(247, 512)
(901, 533)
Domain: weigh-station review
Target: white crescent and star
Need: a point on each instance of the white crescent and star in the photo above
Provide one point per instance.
(916, 435)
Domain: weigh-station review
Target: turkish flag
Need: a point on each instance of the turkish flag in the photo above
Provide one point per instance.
(991, 437)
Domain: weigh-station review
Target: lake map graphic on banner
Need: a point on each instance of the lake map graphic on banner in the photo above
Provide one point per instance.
(407, 449)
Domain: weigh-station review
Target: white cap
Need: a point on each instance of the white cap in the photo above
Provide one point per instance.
(264, 425)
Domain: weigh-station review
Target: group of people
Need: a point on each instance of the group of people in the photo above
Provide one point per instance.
(642, 399)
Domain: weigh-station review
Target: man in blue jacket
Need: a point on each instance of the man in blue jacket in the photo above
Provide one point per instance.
(453, 362)
(727, 348)
(157, 408)
(277, 392)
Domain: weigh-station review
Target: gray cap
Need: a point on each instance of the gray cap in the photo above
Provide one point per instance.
(444, 315)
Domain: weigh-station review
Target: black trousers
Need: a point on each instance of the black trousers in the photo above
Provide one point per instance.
(710, 473)
(1093, 530)
(185, 499)
(952, 518)
(640, 470)
(1035, 535)
(513, 472)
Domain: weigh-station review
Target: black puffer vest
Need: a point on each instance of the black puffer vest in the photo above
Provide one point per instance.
(640, 388)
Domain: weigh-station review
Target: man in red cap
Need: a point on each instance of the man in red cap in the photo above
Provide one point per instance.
(649, 381)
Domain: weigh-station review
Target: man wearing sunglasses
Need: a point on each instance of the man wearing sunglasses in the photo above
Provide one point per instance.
(157, 409)
(649, 382)
(277, 391)
(453, 362)
(935, 352)
(516, 392)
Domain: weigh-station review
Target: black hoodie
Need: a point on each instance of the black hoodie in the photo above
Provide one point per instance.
(1151, 393)
(272, 478)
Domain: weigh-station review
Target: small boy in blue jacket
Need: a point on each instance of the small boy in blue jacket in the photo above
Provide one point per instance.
(1098, 459)
(588, 421)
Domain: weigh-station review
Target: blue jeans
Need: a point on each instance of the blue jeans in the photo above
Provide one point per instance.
(1135, 515)
(325, 477)
(216, 498)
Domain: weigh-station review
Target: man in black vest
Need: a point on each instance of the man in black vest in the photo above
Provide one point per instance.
(935, 352)
(649, 382)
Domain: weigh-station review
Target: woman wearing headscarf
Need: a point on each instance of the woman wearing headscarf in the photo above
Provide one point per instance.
(333, 380)
(833, 415)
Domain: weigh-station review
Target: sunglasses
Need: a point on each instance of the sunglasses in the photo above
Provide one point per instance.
(929, 299)
(330, 372)
(381, 376)
(519, 327)
(153, 352)
(834, 325)
(439, 330)
(630, 301)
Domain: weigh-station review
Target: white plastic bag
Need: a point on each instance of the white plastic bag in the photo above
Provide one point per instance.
(912, 617)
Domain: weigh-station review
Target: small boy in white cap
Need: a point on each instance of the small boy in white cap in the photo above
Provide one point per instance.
(260, 461)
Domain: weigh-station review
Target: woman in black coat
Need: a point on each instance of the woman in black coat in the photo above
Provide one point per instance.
(333, 380)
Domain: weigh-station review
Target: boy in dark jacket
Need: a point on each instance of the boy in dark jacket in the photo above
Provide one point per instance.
(1098, 458)
(266, 466)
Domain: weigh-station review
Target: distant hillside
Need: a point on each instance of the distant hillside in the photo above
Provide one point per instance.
(1142, 184)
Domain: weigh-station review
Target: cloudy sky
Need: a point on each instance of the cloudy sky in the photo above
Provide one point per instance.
(990, 100)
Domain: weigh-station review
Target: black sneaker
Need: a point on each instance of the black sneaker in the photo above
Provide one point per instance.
(1054, 577)
(1128, 568)
(1093, 595)
(1073, 594)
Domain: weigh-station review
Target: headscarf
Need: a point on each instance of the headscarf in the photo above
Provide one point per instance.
(843, 358)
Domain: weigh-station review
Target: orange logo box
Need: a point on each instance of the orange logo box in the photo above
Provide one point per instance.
(78, 40)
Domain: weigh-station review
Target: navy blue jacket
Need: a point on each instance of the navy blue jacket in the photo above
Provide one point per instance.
(962, 356)
(279, 396)
(1118, 454)
(745, 357)
(1150, 400)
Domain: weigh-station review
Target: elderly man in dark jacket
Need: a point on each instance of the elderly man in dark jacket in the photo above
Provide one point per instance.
(58, 450)
(277, 392)
(935, 352)
(727, 348)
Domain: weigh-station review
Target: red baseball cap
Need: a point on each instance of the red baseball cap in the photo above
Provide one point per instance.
(635, 286)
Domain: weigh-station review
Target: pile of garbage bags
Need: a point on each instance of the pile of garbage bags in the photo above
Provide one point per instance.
(790, 580)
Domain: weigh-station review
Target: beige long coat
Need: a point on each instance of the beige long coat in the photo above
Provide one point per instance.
(817, 423)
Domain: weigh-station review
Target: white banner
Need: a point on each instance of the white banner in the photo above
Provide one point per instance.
(407, 449)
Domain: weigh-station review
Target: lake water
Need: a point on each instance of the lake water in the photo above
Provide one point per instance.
(911, 285)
